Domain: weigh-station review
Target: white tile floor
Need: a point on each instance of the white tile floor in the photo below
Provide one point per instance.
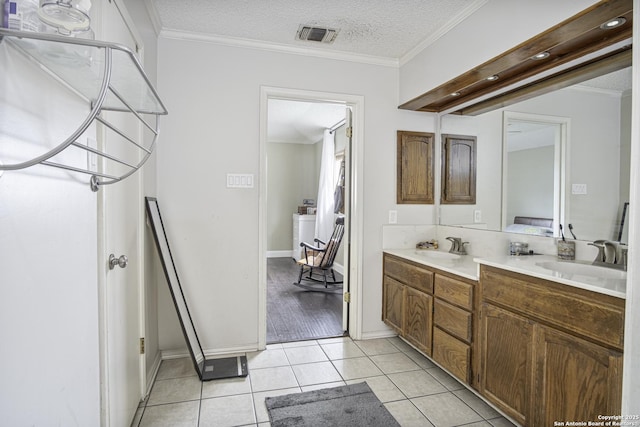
(413, 389)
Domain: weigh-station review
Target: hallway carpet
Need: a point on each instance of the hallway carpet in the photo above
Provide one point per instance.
(294, 314)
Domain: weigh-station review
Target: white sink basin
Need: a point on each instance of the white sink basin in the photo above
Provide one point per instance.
(578, 269)
(433, 254)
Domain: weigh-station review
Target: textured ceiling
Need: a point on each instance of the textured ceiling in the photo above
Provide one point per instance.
(380, 28)
(386, 29)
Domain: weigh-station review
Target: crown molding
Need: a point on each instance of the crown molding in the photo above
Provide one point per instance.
(281, 48)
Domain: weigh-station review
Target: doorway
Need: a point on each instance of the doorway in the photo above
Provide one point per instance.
(278, 257)
(306, 147)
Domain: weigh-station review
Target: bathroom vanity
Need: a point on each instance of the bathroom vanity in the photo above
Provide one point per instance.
(540, 339)
(430, 302)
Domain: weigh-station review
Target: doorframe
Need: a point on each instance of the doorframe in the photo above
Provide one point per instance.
(354, 233)
(561, 203)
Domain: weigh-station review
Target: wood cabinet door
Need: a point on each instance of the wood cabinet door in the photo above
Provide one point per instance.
(418, 319)
(415, 168)
(392, 303)
(574, 379)
(506, 341)
(458, 169)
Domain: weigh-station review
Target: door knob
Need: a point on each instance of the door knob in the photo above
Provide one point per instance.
(121, 262)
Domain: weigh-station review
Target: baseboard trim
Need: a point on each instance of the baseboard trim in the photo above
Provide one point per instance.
(279, 254)
(230, 352)
(151, 378)
(289, 254)
(339, 268)
(378, 334)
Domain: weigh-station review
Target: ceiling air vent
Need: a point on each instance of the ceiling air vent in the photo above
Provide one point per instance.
(316, 34)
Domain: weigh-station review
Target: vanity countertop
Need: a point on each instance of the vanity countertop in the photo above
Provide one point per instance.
(468, 266)
(464, 266)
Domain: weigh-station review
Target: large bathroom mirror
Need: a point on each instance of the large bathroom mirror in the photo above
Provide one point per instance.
(586, 181)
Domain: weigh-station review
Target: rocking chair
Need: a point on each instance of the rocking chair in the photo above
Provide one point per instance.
(319, 260)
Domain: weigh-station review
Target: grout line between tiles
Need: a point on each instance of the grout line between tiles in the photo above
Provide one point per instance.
(402, 396)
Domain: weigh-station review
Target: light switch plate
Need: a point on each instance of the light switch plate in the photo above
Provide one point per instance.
(239, 180)
(477, 216)
(578, 188)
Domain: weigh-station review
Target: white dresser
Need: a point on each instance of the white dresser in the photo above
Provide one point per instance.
(304, 227)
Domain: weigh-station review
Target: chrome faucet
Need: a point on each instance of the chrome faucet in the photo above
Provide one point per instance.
(457, 246)
(606, 252)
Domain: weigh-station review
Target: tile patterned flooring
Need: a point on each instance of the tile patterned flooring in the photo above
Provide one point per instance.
(414, 390)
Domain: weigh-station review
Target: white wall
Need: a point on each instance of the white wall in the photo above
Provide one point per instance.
(49, 370)
(530, 183)
(213, 93)
(292, 175)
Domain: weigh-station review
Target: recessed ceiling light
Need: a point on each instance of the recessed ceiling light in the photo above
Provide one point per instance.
(455, 94)
(613, 23)
(493, 78)
(541, 55)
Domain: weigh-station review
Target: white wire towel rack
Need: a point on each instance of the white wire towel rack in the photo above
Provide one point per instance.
(109, 77)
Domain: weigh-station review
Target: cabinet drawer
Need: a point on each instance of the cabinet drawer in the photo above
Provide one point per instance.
(454, 320)
(452, 354)
(408, 273)
(455, 291)
(590, 314)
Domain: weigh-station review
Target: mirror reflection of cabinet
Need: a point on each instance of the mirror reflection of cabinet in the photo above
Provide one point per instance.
(415, 167)
(458, 169)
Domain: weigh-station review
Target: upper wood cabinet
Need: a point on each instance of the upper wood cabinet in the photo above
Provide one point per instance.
(458, 169)
(415, 167)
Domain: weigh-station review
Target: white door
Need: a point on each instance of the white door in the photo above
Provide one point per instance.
(121, 207)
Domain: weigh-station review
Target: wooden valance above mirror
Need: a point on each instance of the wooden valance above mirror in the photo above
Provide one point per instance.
(578, 49)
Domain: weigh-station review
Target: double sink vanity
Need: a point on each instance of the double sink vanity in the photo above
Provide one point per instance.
(539, 338)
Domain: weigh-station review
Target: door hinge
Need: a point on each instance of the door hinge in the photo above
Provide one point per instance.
(347, 297)
(142, 345)
(349, 132)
